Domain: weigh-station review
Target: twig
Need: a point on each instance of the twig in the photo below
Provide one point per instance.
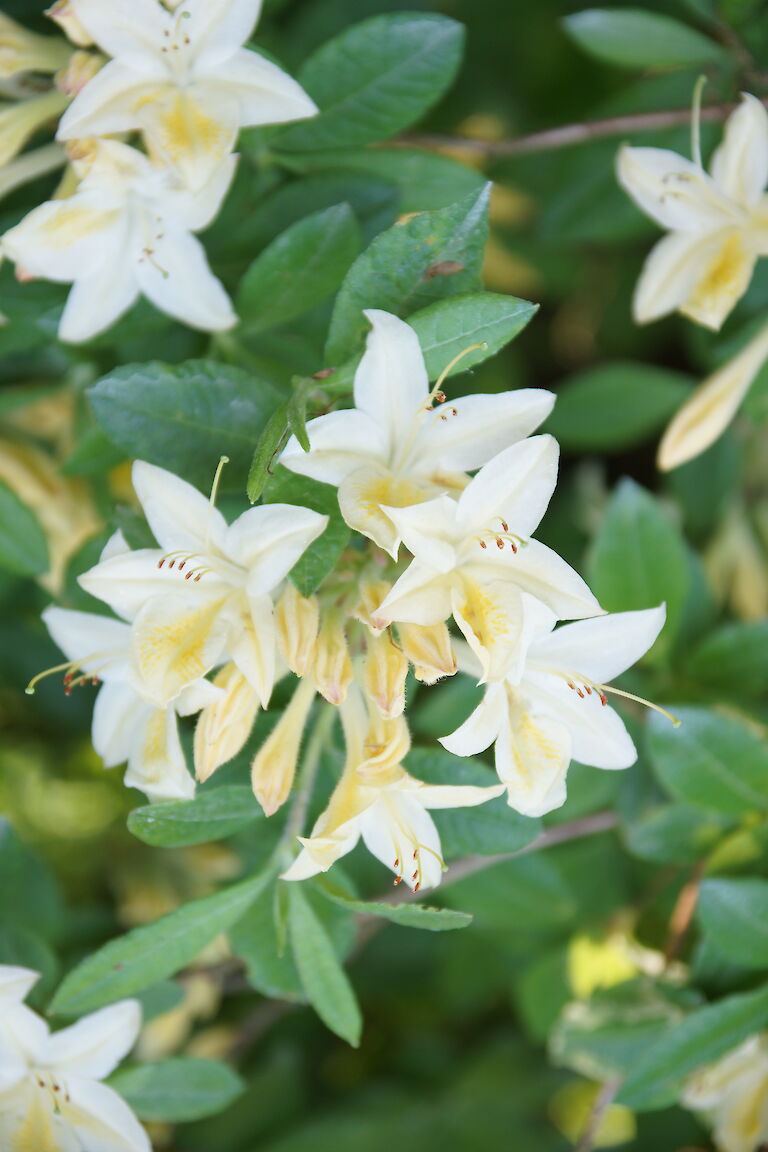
(682, 914)
(567, 135)
(605, 1098)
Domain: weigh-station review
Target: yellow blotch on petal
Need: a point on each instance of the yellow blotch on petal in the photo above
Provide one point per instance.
(181, 132)
(723, 284)
(172, 649)
(36, 1131)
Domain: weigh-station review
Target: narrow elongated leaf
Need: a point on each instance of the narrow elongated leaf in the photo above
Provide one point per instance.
(299, 269)
(23, 547)
(375, 79)
(407, 915)
(639, 560)
(634, 38)
(699, 1039)
(210, 816)
(734, 913)
(185, 416)
(320, 558)
(175, 1091)
(432, 255)
(270, 443)
(713, 760)
(324, 981)
(150, 953)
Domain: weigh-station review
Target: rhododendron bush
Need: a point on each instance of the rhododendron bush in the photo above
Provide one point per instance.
(384, 555)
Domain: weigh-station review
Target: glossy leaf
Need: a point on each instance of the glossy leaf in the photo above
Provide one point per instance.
(212, 815)
(634, 38)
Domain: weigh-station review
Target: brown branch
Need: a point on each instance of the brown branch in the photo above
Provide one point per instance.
(605, 1098)
(567, 135)
(682, 914)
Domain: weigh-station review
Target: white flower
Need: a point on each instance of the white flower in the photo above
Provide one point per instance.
(25, 51)
(128, 723)
(204, 595)
(733, 1096)
(705, 416)
(50, 1096)
(394, 448)
(182, 78)
(378, 800)
(558, 710)
(127, 230)
(718, 223)
(472, 558)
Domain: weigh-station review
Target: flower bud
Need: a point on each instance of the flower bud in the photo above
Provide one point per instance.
(224, 727)
(372, 594)
(332, 666)
(384, 674)
(428, 648)
(38, 162)
(63, 12)
(19, 121)
(274, 765)
(81, 68)
(25, 51)
(735, 565)
(387, 743)
(297, 618)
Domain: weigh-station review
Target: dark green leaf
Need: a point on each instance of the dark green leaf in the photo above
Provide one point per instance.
(634, 38)
(175, 1091)
(323, 979)
(268, 446)
(407, 915)
(23, 547)
(735, 659)
(321, 556)
(29, 896)
(734, 913)
(375, 79)
(211, 815)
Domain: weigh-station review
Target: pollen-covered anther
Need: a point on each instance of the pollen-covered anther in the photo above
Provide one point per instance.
(501, 539)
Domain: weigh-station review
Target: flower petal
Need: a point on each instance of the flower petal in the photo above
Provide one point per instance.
(740, 164)
(599, 649)
(482, 427)
(539, 571)
(253, 644)
(96, 301)
(673, 191)
(362, 496)
(515, 486)
(110, 102)
(134, 33)
(156, 765)
(452, 795)
(268, 541)
(400, 833)
(125, 582)
(341, 442)
(491, 616)
(176, 640)
(179, 281)
(428, 530)
(180, 517)
(16, 983)
(100, 644)
(723, 281)
(96, 1044)
(217, 30)
(597, 733)
(480, 729)
(193, 128)
(532, 757)
(61, 238)
(196, 208)
(118, 717)
(391, 383)
(420, 596)
(265, 94)
(101, 1119)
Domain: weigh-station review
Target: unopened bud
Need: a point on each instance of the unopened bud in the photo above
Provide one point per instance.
(735, 565)
(387, 743)
(298, 619)
(25, 51)
(372, 594)
(332, 668)
(384, 674)
(224, 726)
(428, 648)
(274, 765)
(19, 121)
(63, 13)
(81, 67)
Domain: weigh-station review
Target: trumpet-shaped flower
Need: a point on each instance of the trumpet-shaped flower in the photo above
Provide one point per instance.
(558, 710)
(127, 230)
(395, 447)
(128, 723)
(717, 221)
(473, 558)
(204, 594)
(51, 1097)
(182, 78)
(378, 800)
(733, 1096)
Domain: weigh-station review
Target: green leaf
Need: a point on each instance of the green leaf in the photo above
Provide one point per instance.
(715, 760)
(23, 547)
(447, 327)
(211, 815)
(183, 417)
(639, 560)
(734, 913)
(432, 255)
(29, 895)
(150, 953)
(734, 658)
(269, 444)
(375, 79)
(486, 829)
(674, 833)
(94, 453)
(699, 1039)
(407, 915)
(614, 406)
(22, 948)
(299, 269)
(633, 38)
(327, 988)
(320, 558)
(176, 1091)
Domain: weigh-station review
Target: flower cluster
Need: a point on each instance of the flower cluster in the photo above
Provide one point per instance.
(216, 598)
(732, 1094)
(123, 224)
(51, 1095)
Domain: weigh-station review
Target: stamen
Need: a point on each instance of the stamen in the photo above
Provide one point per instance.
(70, 667)
(501, 539)
(696, 121)
(640, 700)
(212, 502)
(449, 367)
(589, 686)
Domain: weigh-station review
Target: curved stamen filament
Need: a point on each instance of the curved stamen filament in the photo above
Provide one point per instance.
(69, 669)
(589, 686)
(500, 539)
(696, 120)
(212, 502)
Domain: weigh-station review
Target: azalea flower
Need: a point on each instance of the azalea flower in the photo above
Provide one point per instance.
(50, 1095)
(395, 448)
(733, 1096)
(377, 799)
(127, 230)
(128, 723)
(705, 416)
(558, 710)
(717, 221)
(473, 559)
(204, 594)
(182, 78)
